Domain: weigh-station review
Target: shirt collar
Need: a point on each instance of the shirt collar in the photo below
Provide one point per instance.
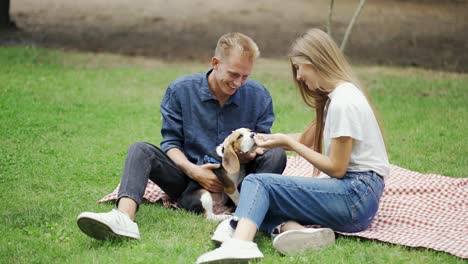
(206, 94)
(332, 93)
(340, 86)
(205, 89)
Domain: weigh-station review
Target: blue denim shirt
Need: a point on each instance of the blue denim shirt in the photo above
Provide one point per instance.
(194, 122)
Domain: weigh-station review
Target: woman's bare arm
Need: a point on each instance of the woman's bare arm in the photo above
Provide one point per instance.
(334, 165)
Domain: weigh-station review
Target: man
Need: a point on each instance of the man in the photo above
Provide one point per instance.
(198, 112)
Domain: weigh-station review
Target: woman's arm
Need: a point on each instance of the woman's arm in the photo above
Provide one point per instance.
(334, 165)
(307, 136)
(294, 137)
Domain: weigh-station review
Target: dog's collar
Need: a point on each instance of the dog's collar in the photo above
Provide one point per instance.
(209, 159)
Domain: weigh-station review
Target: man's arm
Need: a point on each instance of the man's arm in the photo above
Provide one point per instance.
(173, 141)
(172, 122)
(202, 174)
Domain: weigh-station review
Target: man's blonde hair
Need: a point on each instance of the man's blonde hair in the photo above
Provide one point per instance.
(236, 41)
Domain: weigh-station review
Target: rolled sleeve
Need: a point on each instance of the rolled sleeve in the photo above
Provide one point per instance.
(172, 122)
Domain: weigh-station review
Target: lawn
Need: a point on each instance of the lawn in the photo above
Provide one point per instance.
(67, 119)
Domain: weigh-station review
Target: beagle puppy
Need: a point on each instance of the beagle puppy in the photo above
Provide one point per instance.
(230, 174)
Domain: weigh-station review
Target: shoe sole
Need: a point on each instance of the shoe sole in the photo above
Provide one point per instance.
(217, 240)
(100, 231)
(297, 241)
(233, 261)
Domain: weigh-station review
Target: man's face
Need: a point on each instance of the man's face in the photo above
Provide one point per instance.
(231, 72)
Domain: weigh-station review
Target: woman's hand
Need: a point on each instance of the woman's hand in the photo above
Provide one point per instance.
(273, 140)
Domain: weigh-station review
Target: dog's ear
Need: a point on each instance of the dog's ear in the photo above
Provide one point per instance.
(230, 160)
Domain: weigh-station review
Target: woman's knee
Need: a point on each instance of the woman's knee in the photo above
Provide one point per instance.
(263, 179)
(253, 177)
(249, 181)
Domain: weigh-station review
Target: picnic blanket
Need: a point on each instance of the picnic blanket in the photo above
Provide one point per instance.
(416, 210)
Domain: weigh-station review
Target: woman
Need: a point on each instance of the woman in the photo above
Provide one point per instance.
(355, 159)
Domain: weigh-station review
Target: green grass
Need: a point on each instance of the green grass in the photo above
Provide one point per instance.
(67, 119)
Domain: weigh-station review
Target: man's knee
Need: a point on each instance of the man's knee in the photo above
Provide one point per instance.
(141, 149)
(279, 154)
(272, 161)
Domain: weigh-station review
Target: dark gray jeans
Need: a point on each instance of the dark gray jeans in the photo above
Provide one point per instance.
(146, 161)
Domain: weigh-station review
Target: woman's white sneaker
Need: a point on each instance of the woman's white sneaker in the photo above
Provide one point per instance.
(112, 225)
(232, 251)
(224, 231)
(297, 241)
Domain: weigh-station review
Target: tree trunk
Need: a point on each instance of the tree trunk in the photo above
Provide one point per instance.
(329, 21)
(5, 20)
(351, 24)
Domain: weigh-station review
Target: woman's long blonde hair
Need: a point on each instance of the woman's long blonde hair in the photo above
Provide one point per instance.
(318, 49)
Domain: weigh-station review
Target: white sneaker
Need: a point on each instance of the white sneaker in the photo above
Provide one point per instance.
(111, 225)
(223, 232)
(297, 241)
(232, 251)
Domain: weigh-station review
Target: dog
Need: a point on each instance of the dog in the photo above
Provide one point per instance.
(230, 174)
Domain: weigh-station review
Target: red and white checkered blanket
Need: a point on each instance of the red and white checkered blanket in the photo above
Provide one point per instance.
(416, 210)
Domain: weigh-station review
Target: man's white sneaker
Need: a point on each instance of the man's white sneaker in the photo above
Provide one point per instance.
(223, 232)
(112, 225)
(232, 251)
(297, 241)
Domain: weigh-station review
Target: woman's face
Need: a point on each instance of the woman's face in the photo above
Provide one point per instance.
(305, 73)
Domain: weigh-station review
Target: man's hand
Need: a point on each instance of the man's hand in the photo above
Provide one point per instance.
(248, 157)
(205, 176)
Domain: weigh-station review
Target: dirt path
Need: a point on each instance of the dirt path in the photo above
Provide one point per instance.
(425, 33)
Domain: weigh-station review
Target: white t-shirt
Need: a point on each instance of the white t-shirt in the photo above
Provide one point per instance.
(349, 114)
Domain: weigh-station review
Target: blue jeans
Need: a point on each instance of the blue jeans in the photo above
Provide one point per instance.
(348, 204)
